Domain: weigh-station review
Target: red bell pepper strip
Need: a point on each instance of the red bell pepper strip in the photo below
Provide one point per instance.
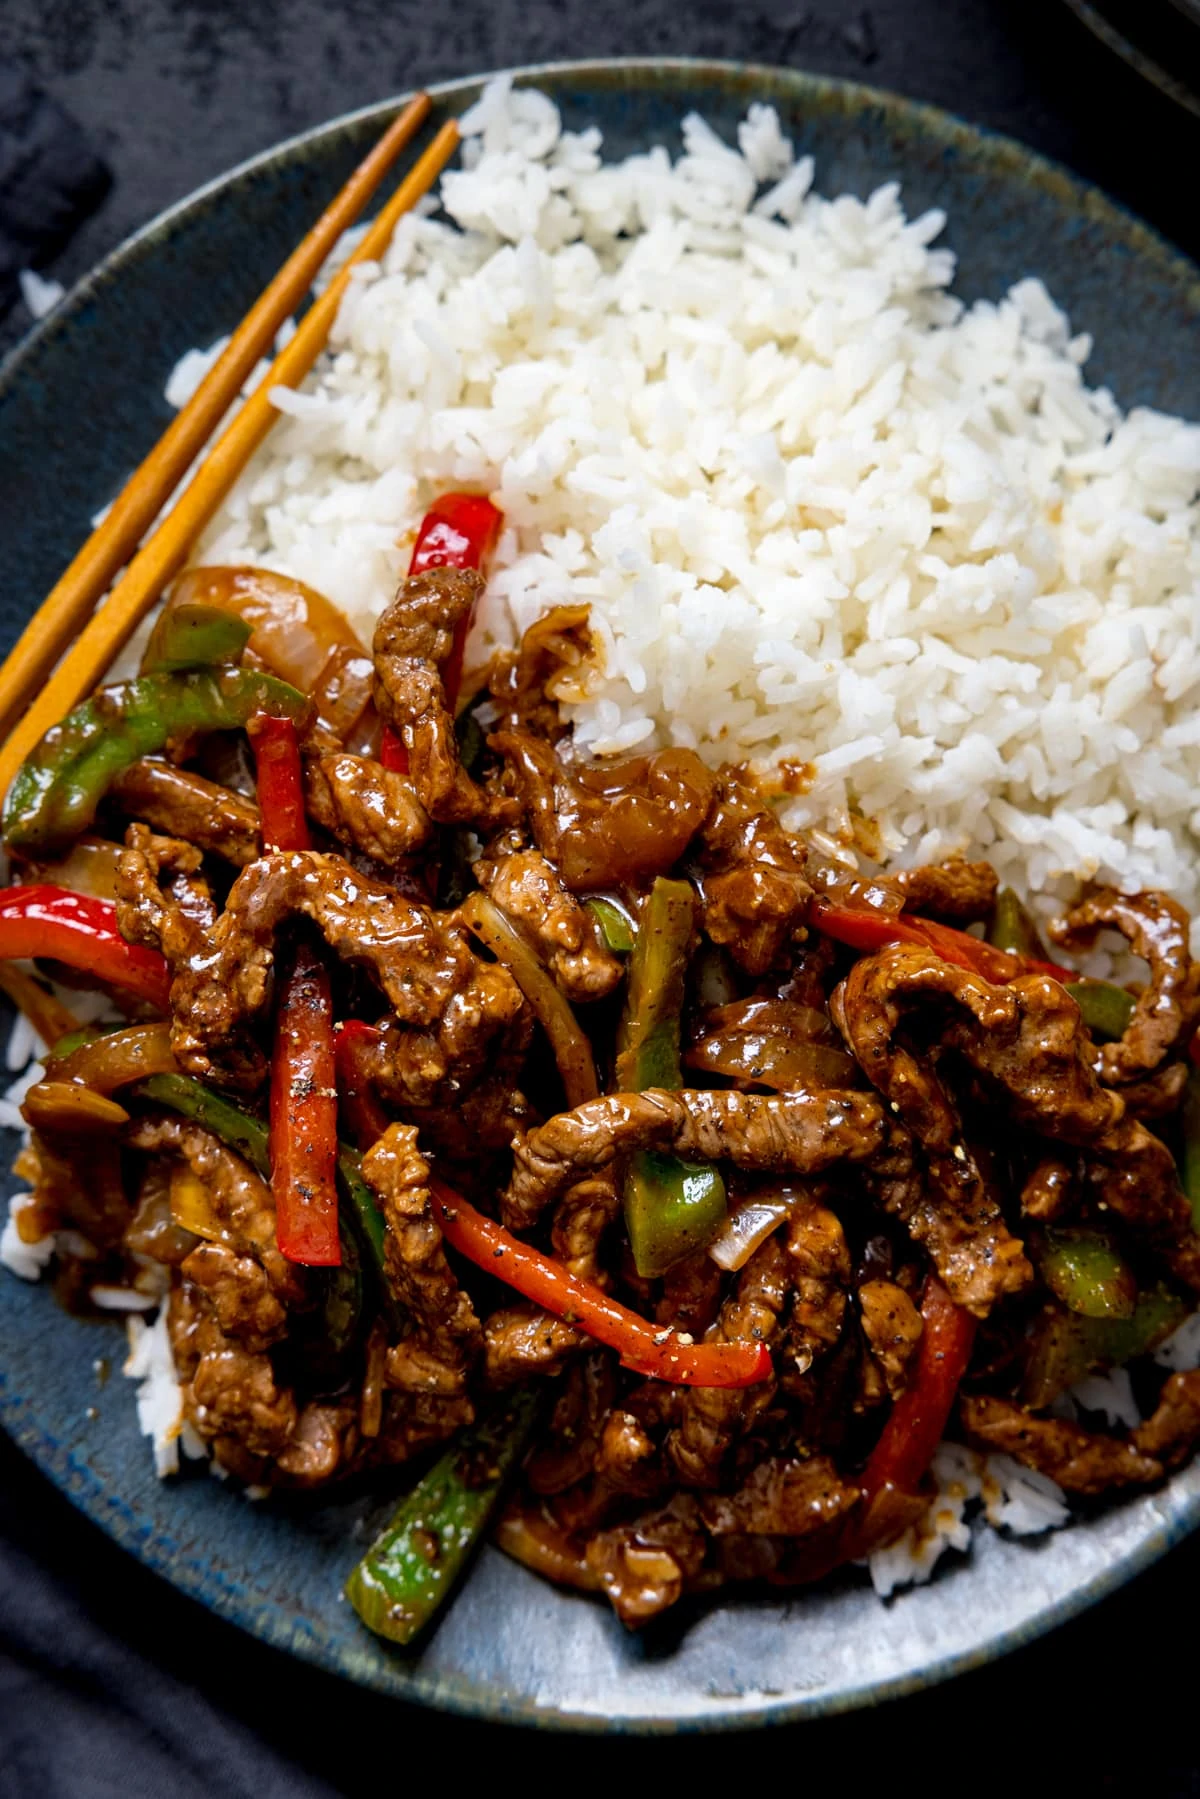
(644, 1349)
(900, 1459)
(280, 783)
(82, 932)
(458, 531)
(304, 1117)
(861, 927)
(365, 1118)
(303, 1084)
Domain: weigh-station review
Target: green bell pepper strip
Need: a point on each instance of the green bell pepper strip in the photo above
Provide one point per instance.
(60, 785)
(195, 635)
(615, 927)
(1084, 1270)
(1189, 1148)
(672, 1208)
(1064, 1347)
(1012, 928)
(409, 1571)
(1106, 1009)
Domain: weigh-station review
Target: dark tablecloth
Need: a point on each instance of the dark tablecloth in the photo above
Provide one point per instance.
(112, 1684)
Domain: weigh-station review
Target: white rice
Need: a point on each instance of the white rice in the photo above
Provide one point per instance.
(821, 512)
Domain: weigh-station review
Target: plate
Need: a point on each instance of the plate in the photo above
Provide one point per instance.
(80, 404)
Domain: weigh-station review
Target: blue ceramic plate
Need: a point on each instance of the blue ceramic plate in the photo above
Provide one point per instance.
(80, 404)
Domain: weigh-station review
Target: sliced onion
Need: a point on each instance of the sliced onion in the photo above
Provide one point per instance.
(90, 867)
(118, 1058)
(572, 1051)
(749, 1227)
(773, 1061)
(786, 1017)
(73, 1110)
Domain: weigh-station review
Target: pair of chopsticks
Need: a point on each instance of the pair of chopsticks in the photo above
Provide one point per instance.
(67, 630)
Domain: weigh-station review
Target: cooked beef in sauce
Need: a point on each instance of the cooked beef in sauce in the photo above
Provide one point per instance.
(878, 1119)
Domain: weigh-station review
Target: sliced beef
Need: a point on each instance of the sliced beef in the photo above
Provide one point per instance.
(782, 1498)
(711, 1418)
(1080, 1461)
(445, 1336)
(1157, 929)
(414, 640)
(819, 1260)
(222, 976)
(365, 806)
(187, 806)
(562, 931)
(892, 1326)
(798, 1132)
(607, 823)
(755, 889)
(520, 1341)
(957, 892)
(1172, 1431)
(643, 1567)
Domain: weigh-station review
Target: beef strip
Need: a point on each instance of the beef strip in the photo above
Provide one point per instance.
(445, 1337)
(240, 1199)
(957, 892)
(221, 977)
(413, 642)
(782, 1498)
(798, 1132)
(1080, 1461)
(820, 1262)
(605, 824)
(527, 684)
(754, 885)
(239, 1292)
(710, 1418)
(1027, 1040)
(892, 1326)
(1173, 1429)
(365, 806)
(520, 1341)
(562, 931)
(1157, 930)
(643, 1567)
(187, 806)
(581, 1219)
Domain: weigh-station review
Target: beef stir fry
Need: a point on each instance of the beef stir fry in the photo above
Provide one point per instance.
(571, 1120)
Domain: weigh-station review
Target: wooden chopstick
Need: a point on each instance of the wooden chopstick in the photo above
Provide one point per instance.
(73, 597)
(165, 551)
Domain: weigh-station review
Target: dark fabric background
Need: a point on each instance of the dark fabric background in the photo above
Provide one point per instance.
(110, 1683)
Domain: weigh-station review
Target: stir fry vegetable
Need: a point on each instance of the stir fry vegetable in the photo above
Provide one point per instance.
(916, 1424)
(1088, 1273)
(303, 1081)
(1106, 1009)
(572, 1051)
(194, 635)
(59, 787)
(1066, 1346)
(659, 1354)
(672, 1208)
(864, 929)
(458, 531)
(298, 633)
(411, 1568)
(81, 933)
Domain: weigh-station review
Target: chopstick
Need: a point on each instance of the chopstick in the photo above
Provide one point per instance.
(165, 551)
(74, 595)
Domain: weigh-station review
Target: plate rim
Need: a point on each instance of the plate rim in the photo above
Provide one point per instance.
(1003, 155)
